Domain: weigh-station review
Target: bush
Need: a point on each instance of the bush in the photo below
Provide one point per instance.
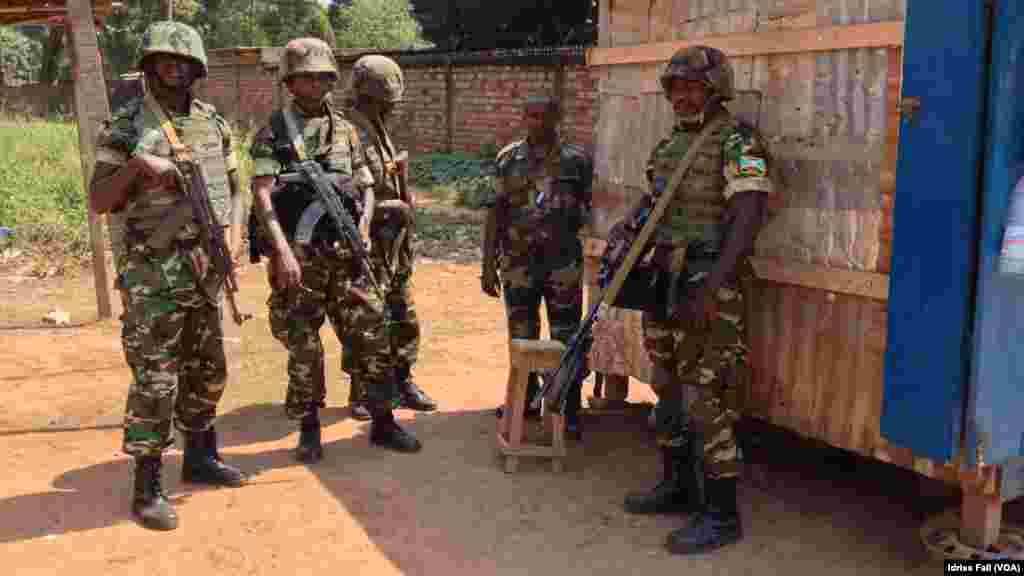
(468, 177)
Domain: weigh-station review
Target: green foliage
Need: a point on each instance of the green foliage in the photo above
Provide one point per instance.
(42, 197)
(41, 192)
(469, 179)
(22, 56)
(376, 24)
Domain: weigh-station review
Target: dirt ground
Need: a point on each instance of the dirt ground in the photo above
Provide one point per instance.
(64, 500)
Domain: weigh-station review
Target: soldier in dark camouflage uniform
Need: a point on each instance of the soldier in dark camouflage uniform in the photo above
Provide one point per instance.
(377, 86)
(316, 281)
(701, 245)
(172, 334)
(542, 200)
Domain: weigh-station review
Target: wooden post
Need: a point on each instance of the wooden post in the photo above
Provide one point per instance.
(981, 511)
(91, 108)
(449, 109)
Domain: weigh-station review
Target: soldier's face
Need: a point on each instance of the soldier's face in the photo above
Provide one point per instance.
(311, 87)
(174, 71)
(536, 119)
(688, 96)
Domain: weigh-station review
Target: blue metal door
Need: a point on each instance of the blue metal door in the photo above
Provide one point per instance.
(935, 225)
(995, 400)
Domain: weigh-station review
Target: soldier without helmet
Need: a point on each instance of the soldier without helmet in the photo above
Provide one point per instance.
(316, 281)
(172, 333)
(542, 200)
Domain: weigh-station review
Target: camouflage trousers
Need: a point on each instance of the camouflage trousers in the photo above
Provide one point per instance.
(709, 363)
(173, 343)
(396, 279)
(357, 317)
(525, 284)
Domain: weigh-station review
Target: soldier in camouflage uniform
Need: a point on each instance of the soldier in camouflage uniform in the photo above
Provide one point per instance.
(172, 333)
(315, 281)
(542, 200)
(376, 87)
(699, 348)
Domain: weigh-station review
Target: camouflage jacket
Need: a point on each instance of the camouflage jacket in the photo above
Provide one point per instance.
(542, 203)
(380, 155)
(733, 159)
(134, 129)
(329, 139)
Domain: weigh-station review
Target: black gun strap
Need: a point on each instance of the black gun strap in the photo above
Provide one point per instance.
(291, 126)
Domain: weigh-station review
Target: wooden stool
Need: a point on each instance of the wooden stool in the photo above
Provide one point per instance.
(526, 357)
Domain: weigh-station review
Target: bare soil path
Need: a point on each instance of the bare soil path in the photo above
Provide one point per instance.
(449, 510)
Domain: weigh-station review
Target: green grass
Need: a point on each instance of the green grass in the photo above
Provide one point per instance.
(42, 196)
(41, 193)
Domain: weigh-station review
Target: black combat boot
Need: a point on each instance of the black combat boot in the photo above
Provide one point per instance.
(717, 522)
(310, 449)
(385, 432)
(716, 526)
(413, 397)
(202, 463)
(674, 494)
(149, 505)
(357, 399)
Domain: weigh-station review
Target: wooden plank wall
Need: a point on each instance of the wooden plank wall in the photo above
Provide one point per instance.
(831, 119)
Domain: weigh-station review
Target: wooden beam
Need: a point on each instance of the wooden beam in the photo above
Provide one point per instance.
(91, 108)
(784, 41)
(852, 282)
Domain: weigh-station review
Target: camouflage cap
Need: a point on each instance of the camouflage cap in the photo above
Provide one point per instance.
(377, 77)
(704, 64)
(307, 55)
(169, 37)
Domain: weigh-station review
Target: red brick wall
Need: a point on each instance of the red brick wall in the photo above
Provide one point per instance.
(487, 100)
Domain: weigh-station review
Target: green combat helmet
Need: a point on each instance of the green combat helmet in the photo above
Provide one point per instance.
(377, 77)
(175, 38)
(307, 56)
(702, 64)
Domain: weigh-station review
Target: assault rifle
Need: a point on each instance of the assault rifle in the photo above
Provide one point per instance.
(311, 173)
(211, 234)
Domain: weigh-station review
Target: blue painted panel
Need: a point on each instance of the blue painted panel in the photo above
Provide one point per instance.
(996, 398)
(934, 225)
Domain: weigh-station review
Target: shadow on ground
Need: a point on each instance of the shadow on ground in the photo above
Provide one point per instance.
(414, 512)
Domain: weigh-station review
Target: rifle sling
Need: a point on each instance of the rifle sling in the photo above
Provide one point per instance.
(291, 126)
(640, 242)
(181, 214)
(183, 156)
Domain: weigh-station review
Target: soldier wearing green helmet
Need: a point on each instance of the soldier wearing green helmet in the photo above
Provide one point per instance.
(696, 342)
(172, 333)
(314, 281)
(376, 86)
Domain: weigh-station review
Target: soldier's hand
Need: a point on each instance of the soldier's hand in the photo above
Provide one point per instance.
(489, 281)
(287, 272)
(158, 171)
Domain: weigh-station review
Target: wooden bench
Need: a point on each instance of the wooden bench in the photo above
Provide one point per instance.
(526, 357)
